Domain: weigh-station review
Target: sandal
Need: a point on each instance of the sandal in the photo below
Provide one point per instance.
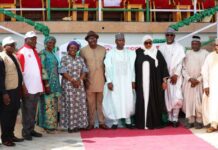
(211, 129)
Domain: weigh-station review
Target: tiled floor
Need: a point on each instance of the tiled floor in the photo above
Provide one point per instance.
(62, 140)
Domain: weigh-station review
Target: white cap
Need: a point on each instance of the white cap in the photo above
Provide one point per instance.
(30, 34)
(8, 40)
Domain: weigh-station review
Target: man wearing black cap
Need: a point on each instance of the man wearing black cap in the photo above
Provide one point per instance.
(174, 54)
(192, 84)
(93, 55)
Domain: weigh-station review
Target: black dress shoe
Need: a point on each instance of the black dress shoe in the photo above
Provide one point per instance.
(70, 131)
(76, 130)
(35, 134)
(15, 139)
(169, 123)
(130, 126)
(28, 137)
(114, 126)
(175, 124)
(198, 125)
(8, 143)
(189, 125)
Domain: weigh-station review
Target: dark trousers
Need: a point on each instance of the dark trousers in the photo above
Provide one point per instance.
(8, 114)
(29, 107)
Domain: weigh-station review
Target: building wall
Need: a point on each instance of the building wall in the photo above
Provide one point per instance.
(134, 31)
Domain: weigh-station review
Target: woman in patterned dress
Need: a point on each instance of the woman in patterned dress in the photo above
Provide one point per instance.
(48, 106)
(73, 113)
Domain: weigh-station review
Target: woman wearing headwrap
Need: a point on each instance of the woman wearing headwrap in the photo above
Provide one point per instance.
(151, 72)
(48, 106)
(73, 113)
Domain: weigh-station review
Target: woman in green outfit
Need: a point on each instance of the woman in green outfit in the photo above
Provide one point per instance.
(48, 106)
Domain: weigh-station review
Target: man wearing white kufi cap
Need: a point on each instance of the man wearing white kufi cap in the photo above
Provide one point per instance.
(10, 87)
(210, 84)
(118, 101)
(32, 87)
(174, 54)
(193, 83)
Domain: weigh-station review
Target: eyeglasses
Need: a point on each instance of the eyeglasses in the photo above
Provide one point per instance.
(169, 34)
(146, 43)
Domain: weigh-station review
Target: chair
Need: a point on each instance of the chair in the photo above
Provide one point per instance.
(200, 4)
(135, 4)
(152, 14)
(179, 14)
(60, 4)
(7, 4)
(111, 4)
(185, 2)
(206, 5)
(183, 5)
(79, 4)
(32, 4)
(161, 4)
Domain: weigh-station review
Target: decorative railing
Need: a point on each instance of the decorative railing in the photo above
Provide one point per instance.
(45, 30)
(37, 26)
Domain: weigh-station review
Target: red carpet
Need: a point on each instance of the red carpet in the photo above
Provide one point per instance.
(160, 139)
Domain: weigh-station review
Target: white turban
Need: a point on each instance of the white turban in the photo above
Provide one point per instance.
(145, 38)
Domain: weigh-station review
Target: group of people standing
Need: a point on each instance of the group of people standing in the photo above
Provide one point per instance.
(143, 87)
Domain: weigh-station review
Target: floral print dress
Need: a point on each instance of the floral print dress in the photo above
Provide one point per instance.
(73, 112)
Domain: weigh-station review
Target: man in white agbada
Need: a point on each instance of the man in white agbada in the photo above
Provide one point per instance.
(174, 54)
(193, 83)
(118, 101)
(210, 83)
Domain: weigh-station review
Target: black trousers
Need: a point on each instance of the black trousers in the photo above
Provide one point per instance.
(8, 114)
(29, 109)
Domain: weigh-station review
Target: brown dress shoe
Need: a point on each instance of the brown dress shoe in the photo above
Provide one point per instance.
(211, 129)
(8, 143)
(90, 127)
(15, 139)
(103, 126)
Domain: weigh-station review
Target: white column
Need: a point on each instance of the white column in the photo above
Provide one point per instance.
(99, 10)
(195, 6)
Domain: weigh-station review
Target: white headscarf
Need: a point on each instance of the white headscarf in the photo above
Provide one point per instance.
(145, 38)
(152, 52)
